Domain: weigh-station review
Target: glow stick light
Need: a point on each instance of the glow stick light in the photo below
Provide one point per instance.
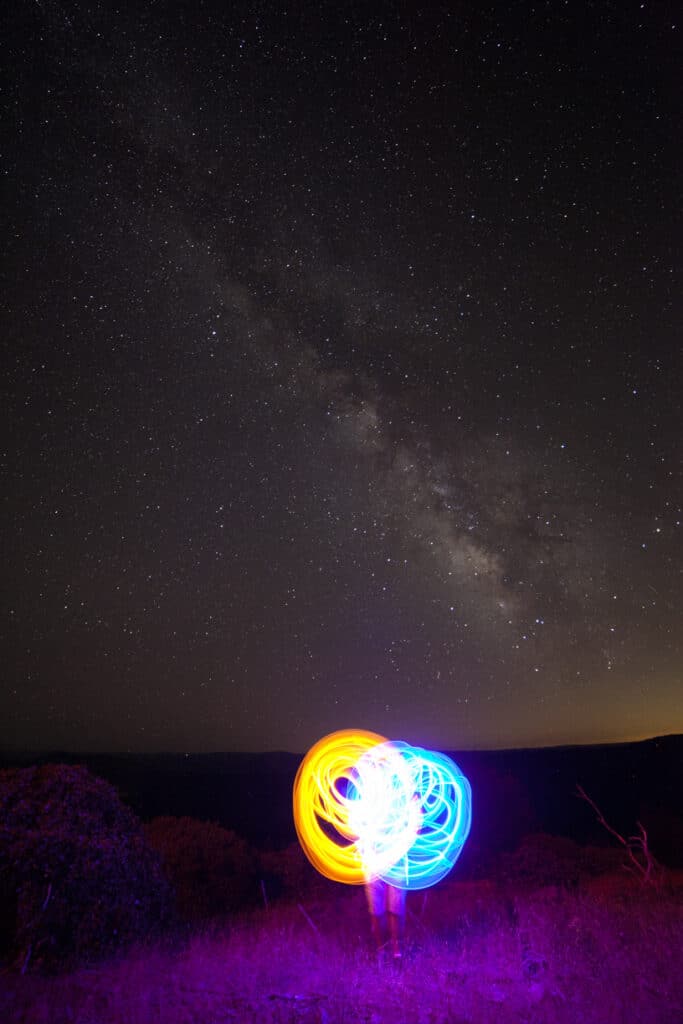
(321, 805)
(368, 808)
(444, 799)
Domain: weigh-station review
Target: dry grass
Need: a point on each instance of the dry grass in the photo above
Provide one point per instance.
(606, 952)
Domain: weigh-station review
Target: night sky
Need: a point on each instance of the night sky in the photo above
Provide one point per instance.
(341, 374)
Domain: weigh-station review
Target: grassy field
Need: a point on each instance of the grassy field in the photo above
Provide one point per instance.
(606, 951)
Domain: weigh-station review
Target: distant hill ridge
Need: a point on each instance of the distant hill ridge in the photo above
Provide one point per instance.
(514, 791)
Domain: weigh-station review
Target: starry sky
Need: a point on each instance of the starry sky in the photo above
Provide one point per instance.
(341, 373)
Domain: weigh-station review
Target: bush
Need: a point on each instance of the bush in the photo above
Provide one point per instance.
(288, 872)
(211, 869)
(553, 860)
(77, 877)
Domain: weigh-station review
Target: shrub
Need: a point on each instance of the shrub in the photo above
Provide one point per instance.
(288, 872)
(77, 877)
(553, 860)
(211, 869)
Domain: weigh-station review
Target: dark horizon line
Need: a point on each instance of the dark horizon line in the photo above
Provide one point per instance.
(290, 753)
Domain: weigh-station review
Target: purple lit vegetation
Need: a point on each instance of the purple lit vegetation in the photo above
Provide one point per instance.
(551, 932)
(607, 951)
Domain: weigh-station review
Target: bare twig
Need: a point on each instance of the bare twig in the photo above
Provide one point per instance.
(47, 898)
(313, 926)
(642, 864)
(24, 966)
(29, 951)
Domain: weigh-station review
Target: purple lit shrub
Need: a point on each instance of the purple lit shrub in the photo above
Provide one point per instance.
(77, 876)
(212, 870)
(554, 860)
(289, 873)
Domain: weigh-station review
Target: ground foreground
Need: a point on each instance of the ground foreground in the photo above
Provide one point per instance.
(604, 952)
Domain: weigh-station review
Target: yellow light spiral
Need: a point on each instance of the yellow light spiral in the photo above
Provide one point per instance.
(321, 807)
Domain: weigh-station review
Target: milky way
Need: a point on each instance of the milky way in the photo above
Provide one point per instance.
(341, 382)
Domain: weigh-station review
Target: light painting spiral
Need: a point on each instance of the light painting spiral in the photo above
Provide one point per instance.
(444, 802)
(365, 808)
(323, 794)
(384, 812)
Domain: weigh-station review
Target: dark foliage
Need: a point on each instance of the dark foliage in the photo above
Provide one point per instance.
(289, 874)
(665, 832)
(77, 876)
(553, 860)
(211, 869)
